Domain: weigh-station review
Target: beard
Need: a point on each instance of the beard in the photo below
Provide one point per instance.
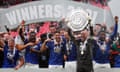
(102, 38)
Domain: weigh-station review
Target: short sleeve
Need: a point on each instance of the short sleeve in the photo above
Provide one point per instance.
(36, 47)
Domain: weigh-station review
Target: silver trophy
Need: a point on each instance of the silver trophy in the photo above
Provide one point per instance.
(77, 20)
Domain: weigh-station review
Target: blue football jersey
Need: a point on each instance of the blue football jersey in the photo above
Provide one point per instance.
(71, 51)
(31, 57)
(56, 53)
(10, 57)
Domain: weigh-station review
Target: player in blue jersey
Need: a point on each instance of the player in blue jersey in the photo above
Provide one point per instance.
(31, 56)
(102, 51)
(12, 59)
(71, 52)
(24, 46)
(43, 56)
(57, 50)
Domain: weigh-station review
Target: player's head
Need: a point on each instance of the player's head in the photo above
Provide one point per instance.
(102, 35)
(43, 37)
(66, 35)
(84, 34)
(32, 37)
(57, 36)
(6, 36)
(52, 29)
(62, 31)
(11, 43)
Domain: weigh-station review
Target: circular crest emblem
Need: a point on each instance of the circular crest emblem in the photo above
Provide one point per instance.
(77, 20)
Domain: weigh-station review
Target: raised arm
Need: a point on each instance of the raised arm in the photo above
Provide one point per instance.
(21, 26)
(115, 28)
(35, 49)
(44, 46)
(91, 28)
(2, 42)
(22, 46)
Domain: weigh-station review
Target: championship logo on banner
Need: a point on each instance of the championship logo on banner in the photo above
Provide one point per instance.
(77, 20)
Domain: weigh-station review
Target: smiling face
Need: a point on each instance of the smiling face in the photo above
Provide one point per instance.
(32, 37)
(57, 36)
(102, 36)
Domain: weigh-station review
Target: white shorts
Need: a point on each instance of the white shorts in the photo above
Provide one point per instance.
(29, 65)
(98, 65)
(55, 66)
(70, 64)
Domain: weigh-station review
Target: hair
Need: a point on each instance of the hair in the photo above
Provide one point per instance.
(11, 39)
(99, 25)
(52, 26)
(31, 33)
(43, 37)
(102, 31)
(57, 31)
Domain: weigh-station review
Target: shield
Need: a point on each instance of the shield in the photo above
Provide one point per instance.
(77, 20)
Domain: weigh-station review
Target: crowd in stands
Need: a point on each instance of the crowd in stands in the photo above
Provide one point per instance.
(8, 3)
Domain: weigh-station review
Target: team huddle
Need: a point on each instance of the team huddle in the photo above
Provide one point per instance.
(85, 50)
